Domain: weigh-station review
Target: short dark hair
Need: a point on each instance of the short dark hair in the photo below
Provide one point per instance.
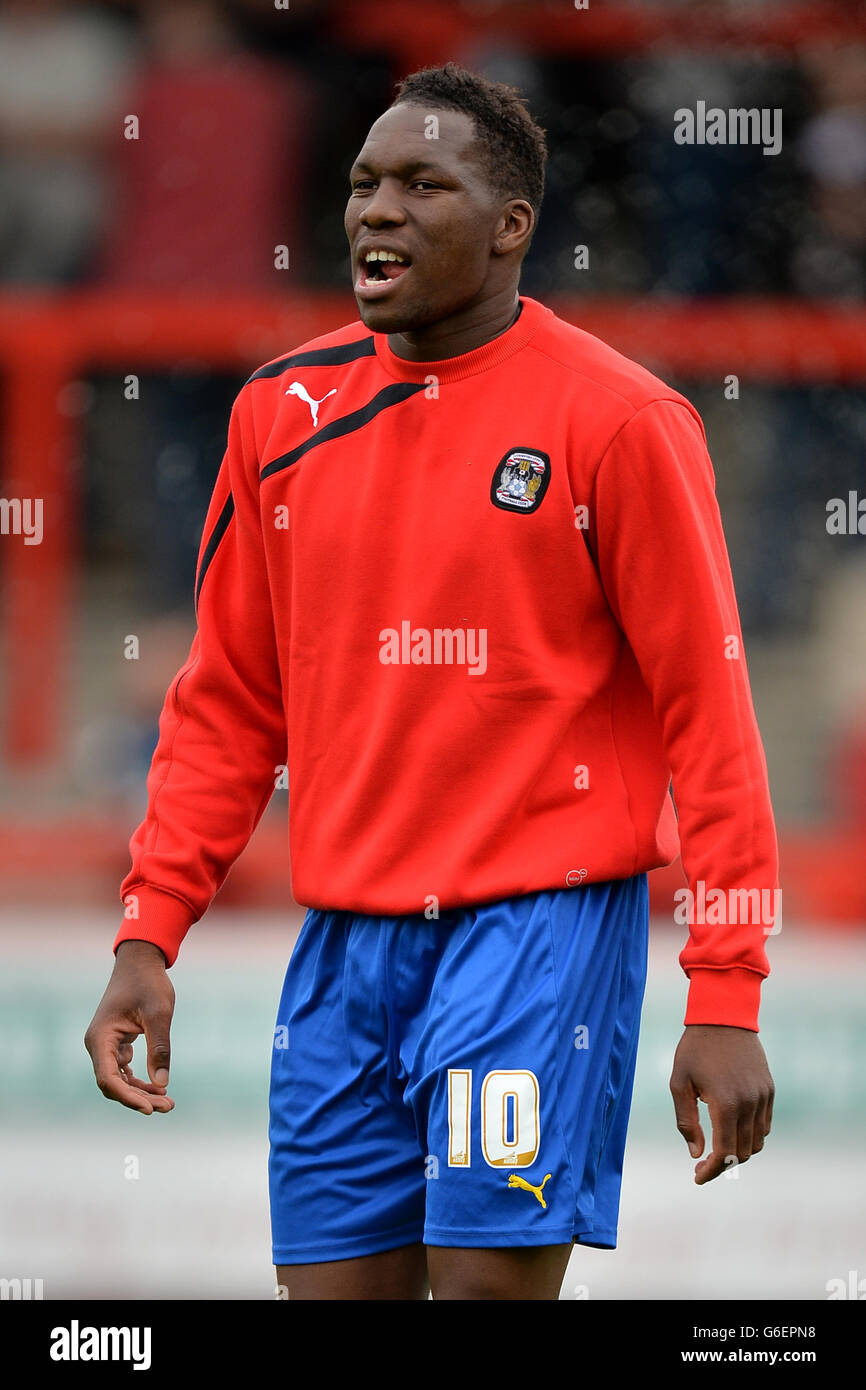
(513, 147)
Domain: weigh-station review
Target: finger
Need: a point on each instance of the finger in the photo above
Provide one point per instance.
(723, 1119)
(759, 1131)
(769, 1121)
(103, 1051)
(145, 1086)
(763, 1121)
(686, 1112)
(157, 1032)
(746, 1135)
(125, 1069)
(114, 1087)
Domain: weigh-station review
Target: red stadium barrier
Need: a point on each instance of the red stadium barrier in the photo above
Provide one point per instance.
(48, 340)
(82, 859)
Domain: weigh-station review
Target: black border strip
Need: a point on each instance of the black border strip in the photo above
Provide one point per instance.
(319, 357)
(346, 424)
(216, 535)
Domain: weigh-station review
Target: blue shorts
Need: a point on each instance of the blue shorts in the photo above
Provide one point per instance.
(464, 1081)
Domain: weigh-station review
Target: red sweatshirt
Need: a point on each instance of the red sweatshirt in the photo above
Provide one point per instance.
(482, 610)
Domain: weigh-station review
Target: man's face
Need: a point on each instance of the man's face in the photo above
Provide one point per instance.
(427, 200)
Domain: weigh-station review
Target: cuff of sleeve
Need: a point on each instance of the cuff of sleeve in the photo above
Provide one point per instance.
(160, 918)
(730, 997)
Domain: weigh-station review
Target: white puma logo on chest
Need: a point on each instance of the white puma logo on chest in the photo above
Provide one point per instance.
(296, 389)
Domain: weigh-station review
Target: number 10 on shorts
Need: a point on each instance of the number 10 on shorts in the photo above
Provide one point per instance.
(510, 1124)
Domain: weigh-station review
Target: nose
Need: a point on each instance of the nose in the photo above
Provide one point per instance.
(383, 208)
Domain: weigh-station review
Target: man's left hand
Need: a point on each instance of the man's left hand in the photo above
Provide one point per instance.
(727, 1069)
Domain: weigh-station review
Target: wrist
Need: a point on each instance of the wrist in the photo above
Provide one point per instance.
(140, 952)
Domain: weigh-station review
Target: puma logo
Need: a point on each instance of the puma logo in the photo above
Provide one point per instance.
(296, 389)
(515, 1181)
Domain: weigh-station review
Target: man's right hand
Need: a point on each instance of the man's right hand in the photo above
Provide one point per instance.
(139, 999)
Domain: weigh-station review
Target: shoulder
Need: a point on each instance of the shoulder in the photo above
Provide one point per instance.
(596, 370)
(342, 346)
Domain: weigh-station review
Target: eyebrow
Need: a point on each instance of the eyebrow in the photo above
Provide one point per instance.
(409, 167)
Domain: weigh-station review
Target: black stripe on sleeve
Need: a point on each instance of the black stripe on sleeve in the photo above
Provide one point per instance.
(347, 424)
(319, 357)
(216, 535)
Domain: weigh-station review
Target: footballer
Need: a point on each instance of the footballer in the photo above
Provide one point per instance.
(463, 573)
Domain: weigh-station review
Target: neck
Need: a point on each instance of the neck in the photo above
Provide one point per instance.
(464, 331)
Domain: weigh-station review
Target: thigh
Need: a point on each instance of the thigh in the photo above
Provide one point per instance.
(346, 1176)
(392, 1274)
(532, 1274)
(515, 1078)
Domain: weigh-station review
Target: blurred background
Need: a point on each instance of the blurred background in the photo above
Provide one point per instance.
(158, 161)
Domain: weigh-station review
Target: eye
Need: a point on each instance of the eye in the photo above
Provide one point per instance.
(362, 185)
(424, 183)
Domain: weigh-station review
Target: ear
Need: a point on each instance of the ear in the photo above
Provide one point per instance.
(514, 227)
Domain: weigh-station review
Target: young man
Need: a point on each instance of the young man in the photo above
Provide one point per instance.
(468, 561)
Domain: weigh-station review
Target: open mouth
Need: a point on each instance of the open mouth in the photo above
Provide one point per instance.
(379, 270)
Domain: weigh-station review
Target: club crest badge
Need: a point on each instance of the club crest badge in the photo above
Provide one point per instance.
(520, 480)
